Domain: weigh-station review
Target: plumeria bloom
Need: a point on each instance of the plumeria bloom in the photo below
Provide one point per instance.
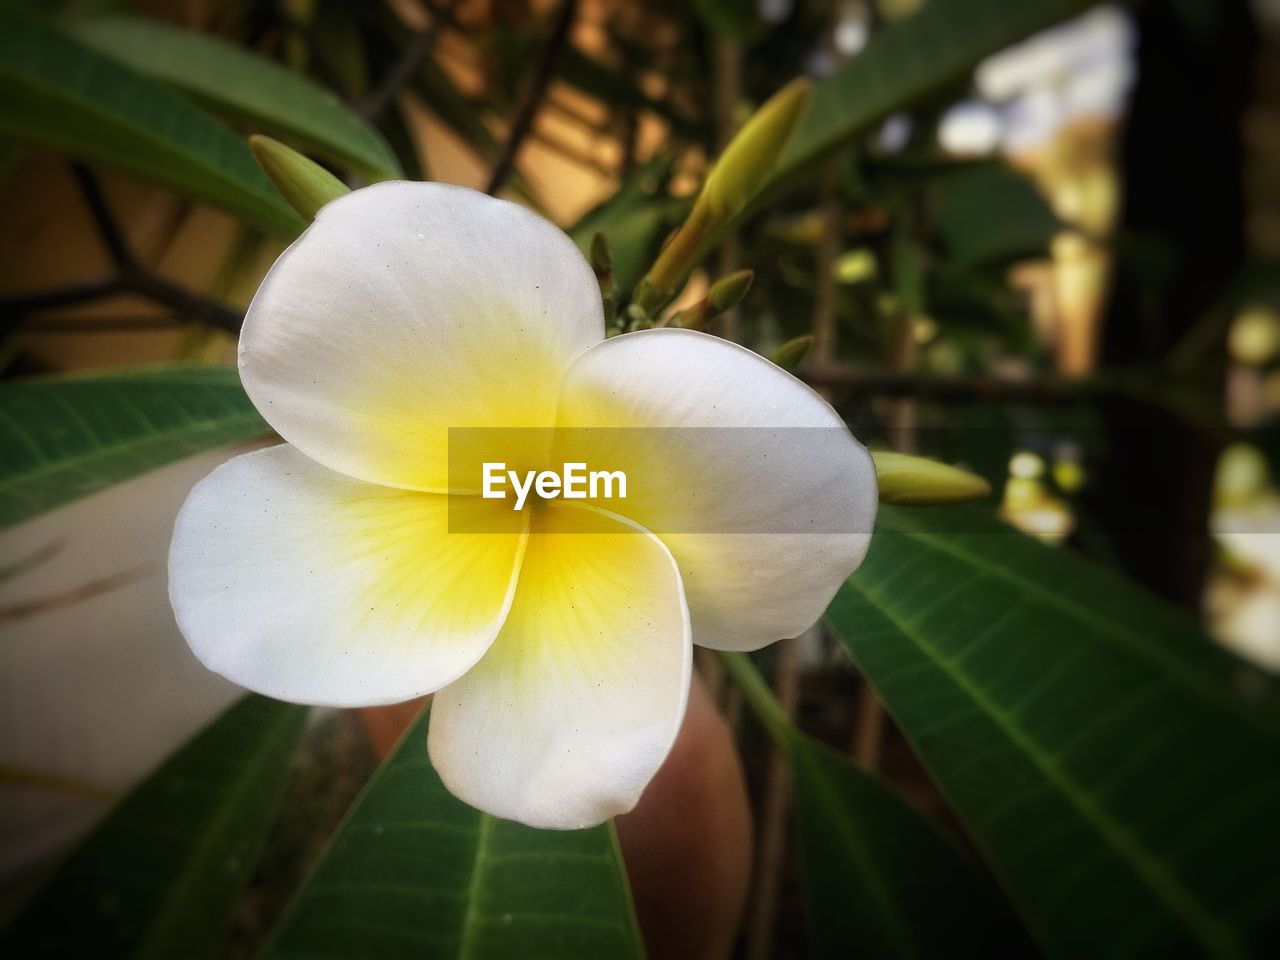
(347, 567)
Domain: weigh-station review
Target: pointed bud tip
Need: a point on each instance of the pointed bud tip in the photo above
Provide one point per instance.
(749, 159)
(791, 354)
(600, 256)
(910, 481)
(728, 291)
(305, 184)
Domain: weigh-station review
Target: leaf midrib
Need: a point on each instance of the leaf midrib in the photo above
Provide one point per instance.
(107, 452)
(35, 86)
(896, 921)
(1135, 642)
(471, 915)
(369, 152)
(205, 849)
(1182, 903)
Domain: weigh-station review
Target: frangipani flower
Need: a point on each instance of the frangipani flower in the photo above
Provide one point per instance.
(340, 568)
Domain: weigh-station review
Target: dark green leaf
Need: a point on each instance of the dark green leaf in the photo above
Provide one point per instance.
(162, 875)
(991, 214)
(64, 438)
(248, 88)
(413, 872)
(1119, 772)
(634, 221)
(60, 94)
(909, 59)
(880, 878)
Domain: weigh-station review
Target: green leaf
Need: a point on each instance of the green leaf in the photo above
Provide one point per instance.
(60, 94)
(162, 875)
(64, 438)
(966, 199)
(910, 59)
(1119, 772)
(880, 878)
(246, 87)
(414, 872)
(633, 220)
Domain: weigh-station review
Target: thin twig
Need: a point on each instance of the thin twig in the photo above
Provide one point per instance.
(405, 68)
(761, 930)
(194, 306)
(107, 324)
(108, 230)
(132, 277)
(14, 309)
(726, 53)
(533, 97)
(849, 382)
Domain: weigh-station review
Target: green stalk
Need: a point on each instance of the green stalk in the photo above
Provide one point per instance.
(759, 697)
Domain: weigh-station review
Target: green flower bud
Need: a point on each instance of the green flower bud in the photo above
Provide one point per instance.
(601, 260)
(304, 183)
(791, 354)
(916, 482)
(727, 292)
(751, 156)
(735, 179)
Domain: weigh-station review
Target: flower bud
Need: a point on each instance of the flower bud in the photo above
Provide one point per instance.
(305, 184)
(602, 265)
(601, 260)
(917, 482)
(751, 156)
(727, 292)
(735, 179)
(791, 354)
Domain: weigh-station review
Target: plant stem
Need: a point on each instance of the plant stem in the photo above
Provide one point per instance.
(533, 97)
(758, 696)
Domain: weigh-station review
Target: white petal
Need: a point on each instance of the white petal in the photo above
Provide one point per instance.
(299, 583)
(409, 308)
(576, 704)
(749, 477)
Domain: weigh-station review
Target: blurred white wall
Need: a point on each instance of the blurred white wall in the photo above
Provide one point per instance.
(96, 684)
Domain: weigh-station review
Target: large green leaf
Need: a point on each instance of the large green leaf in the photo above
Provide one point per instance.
(162, 875)
(1025, 225)
(909, 59)
(64, 438)
(245, 86)
(60, 94)
(1119, 772)
(413, 872)
(880, 878)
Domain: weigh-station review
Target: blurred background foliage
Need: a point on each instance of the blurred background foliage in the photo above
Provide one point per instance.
(1036, 239)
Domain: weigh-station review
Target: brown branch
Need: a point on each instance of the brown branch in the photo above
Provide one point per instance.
(14, 309)
(101, 324)
(131, 277)
(108, 230)
(407, 66)
(846, 382)
(535, 93)
(761, 934)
